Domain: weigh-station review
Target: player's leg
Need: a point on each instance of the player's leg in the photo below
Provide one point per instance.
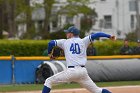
(91, 86)
(105, 91)
(61, 77)
(55, 79)
(46, 89)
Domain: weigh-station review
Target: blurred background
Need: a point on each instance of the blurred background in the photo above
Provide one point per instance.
(43, 19)
(30, 24)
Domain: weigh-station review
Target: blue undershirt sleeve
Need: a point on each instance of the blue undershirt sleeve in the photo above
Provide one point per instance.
(51, 44)
(99, 34)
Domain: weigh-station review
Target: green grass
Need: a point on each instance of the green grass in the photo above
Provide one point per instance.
(30, 87)
(119, 83)
(25, 87)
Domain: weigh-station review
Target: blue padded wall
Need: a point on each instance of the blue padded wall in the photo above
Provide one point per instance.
(25, 70)
(5, 72)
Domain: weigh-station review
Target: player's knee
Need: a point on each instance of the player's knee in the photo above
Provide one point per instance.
(48, 82)
(105, 91)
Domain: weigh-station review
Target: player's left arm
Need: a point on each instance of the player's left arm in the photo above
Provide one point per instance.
(52, 44)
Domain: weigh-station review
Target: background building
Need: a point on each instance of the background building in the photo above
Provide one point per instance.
(116, 17)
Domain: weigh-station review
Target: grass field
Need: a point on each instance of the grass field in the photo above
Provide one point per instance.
(30, 87)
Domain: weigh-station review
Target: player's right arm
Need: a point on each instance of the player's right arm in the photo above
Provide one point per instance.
(90, 38)
(99, 34)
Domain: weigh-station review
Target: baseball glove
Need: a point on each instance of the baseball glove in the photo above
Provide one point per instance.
(55, 53)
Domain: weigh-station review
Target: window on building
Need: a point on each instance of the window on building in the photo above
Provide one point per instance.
(108, 21)
(69, 20)
(132, 5)
(132, 21)
(54, 24)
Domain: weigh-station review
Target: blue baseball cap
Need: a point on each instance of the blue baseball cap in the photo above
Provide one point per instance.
(73, 30)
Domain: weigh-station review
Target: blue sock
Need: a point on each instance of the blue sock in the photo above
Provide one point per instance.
(105, 91)
(46, 90)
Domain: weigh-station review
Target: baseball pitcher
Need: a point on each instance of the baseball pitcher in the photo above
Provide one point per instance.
(76, 58)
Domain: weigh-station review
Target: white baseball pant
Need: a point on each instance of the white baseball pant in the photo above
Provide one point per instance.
(77, 74)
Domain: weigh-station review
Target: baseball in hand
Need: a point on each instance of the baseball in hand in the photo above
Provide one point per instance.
(112, 37)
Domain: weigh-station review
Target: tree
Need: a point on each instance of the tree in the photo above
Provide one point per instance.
(60, 34)
(87, 21)
(7, 16)
(10, 9)
(10, 14)
(30, 33)
(48, 5)
(75, 7)
(24, 12)
(72, 8)
(1, 20)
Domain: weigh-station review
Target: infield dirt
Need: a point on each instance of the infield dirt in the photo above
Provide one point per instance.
(120, 89)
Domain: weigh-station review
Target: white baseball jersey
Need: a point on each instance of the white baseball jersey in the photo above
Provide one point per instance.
(75, 50)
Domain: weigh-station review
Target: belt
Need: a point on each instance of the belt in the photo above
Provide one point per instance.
(74, 66)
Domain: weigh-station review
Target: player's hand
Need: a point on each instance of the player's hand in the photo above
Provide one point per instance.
(51, 56)
(112, 37)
